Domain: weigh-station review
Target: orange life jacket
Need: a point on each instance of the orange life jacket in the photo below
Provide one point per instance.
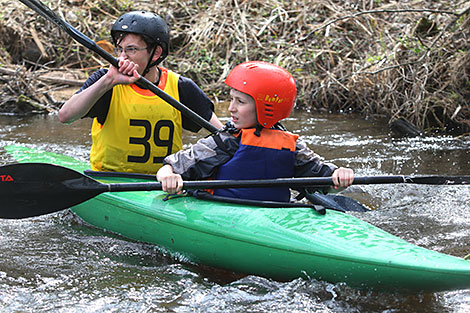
(270, 155)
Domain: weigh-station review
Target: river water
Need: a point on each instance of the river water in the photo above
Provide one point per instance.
(55, 263)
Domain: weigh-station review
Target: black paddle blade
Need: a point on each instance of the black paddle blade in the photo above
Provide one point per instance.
(336, 202)
(33, 189)
(439, 180)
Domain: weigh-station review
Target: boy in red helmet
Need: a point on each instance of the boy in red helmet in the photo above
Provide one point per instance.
(254, 145)
(133, 129)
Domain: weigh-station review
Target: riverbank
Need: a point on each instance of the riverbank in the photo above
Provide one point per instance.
(402, 61)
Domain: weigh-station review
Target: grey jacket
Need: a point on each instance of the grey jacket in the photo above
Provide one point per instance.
(202, 159)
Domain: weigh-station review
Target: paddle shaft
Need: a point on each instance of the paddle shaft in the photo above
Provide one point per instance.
(307, 181)
(47, 13)
(33, 189)
(294, 182)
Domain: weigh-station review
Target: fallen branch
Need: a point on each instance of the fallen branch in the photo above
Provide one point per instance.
(345, 17)
(47, 79)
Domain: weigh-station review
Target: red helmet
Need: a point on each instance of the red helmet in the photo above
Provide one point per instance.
(272, 87)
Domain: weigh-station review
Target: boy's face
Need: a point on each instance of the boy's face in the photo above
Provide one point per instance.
(242, 109)
(140, 56)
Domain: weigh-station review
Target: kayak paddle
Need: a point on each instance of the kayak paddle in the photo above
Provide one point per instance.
(330, 201)
(33, 189)
(81, 38)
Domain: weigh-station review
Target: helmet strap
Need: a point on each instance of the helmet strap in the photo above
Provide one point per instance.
(258, 130)
(150, 63)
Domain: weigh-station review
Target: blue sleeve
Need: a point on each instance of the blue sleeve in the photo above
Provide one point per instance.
(195, 99)
(190, 95)
(101, 107)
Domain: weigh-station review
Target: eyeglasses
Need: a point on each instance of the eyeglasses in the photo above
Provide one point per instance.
(128, 50)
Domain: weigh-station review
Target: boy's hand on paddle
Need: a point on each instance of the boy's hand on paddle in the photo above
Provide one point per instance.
(171, 182)
(342, 177)
(126, 73)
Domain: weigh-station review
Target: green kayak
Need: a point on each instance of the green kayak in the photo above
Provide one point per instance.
(279, 243)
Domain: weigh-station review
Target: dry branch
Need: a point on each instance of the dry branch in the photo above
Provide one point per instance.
(46, 78)
(385, 58)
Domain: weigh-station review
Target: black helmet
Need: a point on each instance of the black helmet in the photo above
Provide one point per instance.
(148, 24)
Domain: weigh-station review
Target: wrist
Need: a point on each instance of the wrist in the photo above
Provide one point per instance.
(108, 81)
(165, 170)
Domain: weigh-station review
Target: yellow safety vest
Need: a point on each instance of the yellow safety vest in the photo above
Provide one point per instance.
(140, 129)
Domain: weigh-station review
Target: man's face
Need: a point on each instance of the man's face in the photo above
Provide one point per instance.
(134, 49)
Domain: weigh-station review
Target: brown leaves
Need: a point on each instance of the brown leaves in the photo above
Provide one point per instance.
(379, 58)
